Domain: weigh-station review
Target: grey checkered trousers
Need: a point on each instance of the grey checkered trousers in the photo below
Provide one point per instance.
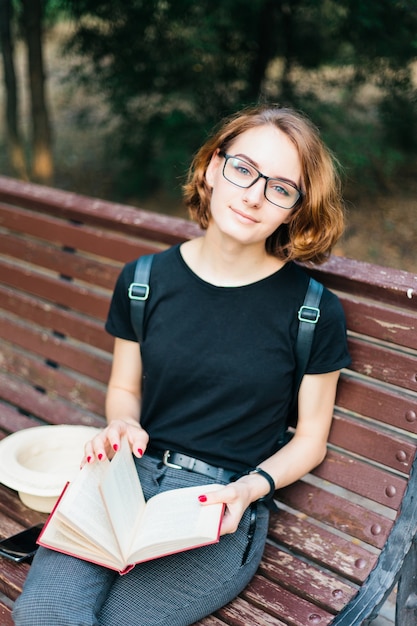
(176, 590)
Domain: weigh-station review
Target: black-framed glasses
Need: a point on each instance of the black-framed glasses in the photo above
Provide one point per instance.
(278, 191)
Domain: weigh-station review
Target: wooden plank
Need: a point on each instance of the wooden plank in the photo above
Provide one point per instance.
(122, 218)
(97, 272)
(66, 233)
(312, 583)
(362, 478)
(367, 441)
(12, 577)
(12, 507)
(243, 613)
(78, 357)
(368, 280)
(210, 620)
(279, 602)
(383, 322)
(5, 614)
(337, 512)
(55, 318)
(384, 404)
(318, 545)
(11, 420)
(71, 295)
(46, 407)
(382, 363)
(80, 391)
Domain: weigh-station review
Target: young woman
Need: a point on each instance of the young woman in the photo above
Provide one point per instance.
(212, 381)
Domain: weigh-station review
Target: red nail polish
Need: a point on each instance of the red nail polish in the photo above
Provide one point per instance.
(202, 498)
(99, 456)
(140, 451)
(115, 447)
(89, 459)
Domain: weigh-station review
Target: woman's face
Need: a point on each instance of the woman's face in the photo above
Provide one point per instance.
(245, 215)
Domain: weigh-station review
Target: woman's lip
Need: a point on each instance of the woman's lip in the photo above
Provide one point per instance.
(245, 216)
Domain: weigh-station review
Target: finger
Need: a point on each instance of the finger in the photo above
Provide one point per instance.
(226, 495)
(138, 439)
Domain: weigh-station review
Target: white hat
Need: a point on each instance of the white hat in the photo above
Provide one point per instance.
(37, 462)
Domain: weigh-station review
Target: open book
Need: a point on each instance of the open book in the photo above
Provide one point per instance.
(102, 517)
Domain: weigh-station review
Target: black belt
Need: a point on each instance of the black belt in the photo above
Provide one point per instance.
(178, 460)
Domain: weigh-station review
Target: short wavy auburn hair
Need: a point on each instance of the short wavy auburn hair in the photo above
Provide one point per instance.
(318, 219)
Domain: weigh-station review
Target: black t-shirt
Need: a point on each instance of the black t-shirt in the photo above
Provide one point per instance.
(218, 362)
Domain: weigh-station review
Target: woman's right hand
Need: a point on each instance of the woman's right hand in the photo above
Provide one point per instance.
(107, 442)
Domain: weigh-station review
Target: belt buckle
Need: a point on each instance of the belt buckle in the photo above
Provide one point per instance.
(165, 461)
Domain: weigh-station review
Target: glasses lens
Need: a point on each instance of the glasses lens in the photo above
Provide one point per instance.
(239, 172)
(281, 193)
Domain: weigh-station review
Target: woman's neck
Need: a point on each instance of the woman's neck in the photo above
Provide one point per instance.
(229, 265)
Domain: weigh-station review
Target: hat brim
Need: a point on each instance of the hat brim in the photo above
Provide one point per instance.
(38, 462)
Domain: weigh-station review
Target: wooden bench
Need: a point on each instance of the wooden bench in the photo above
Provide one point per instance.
(344, 535)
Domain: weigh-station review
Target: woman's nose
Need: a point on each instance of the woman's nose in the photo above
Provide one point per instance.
(254, 195)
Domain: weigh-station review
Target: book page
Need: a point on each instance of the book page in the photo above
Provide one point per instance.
(123, 496)
(65, 539)
(175, 519)
(82, 508)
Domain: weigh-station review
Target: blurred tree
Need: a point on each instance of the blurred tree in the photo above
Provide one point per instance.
(42, 160)
(14, 143)
(29, 17)
(171, 69)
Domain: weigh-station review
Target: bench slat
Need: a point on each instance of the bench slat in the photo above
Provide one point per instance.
(380, 321)
(78, 390)
(5, 614)
(358, 278)
(312, 583)
(79, 236)
(337, 554)
(97, 272)
(54, 318)
(78, 357)
(11, 420)
(50, 409)
(382, 363)
(243, 613)
(338, 512)
(364, 440)
(123, 218)
(362, 479)
(384, 404)
(279, 601)
(62, 292)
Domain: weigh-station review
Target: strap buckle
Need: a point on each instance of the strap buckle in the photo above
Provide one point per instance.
(309, 314)
(165, 461)
(138, 291)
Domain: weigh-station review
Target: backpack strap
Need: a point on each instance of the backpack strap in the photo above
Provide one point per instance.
(139, 293)
(308, 316)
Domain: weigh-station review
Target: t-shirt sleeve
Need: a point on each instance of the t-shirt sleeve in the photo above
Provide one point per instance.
(329, 350)
(118, 321)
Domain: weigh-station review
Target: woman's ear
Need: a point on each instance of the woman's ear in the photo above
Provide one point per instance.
(212, 168)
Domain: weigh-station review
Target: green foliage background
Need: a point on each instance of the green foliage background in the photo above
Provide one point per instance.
(168, 70)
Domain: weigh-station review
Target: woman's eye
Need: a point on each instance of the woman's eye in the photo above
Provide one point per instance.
(280, 189)
(242, 168)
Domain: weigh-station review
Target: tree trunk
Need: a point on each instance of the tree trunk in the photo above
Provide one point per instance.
(14, 144)
(42, 165)
(288, 26)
